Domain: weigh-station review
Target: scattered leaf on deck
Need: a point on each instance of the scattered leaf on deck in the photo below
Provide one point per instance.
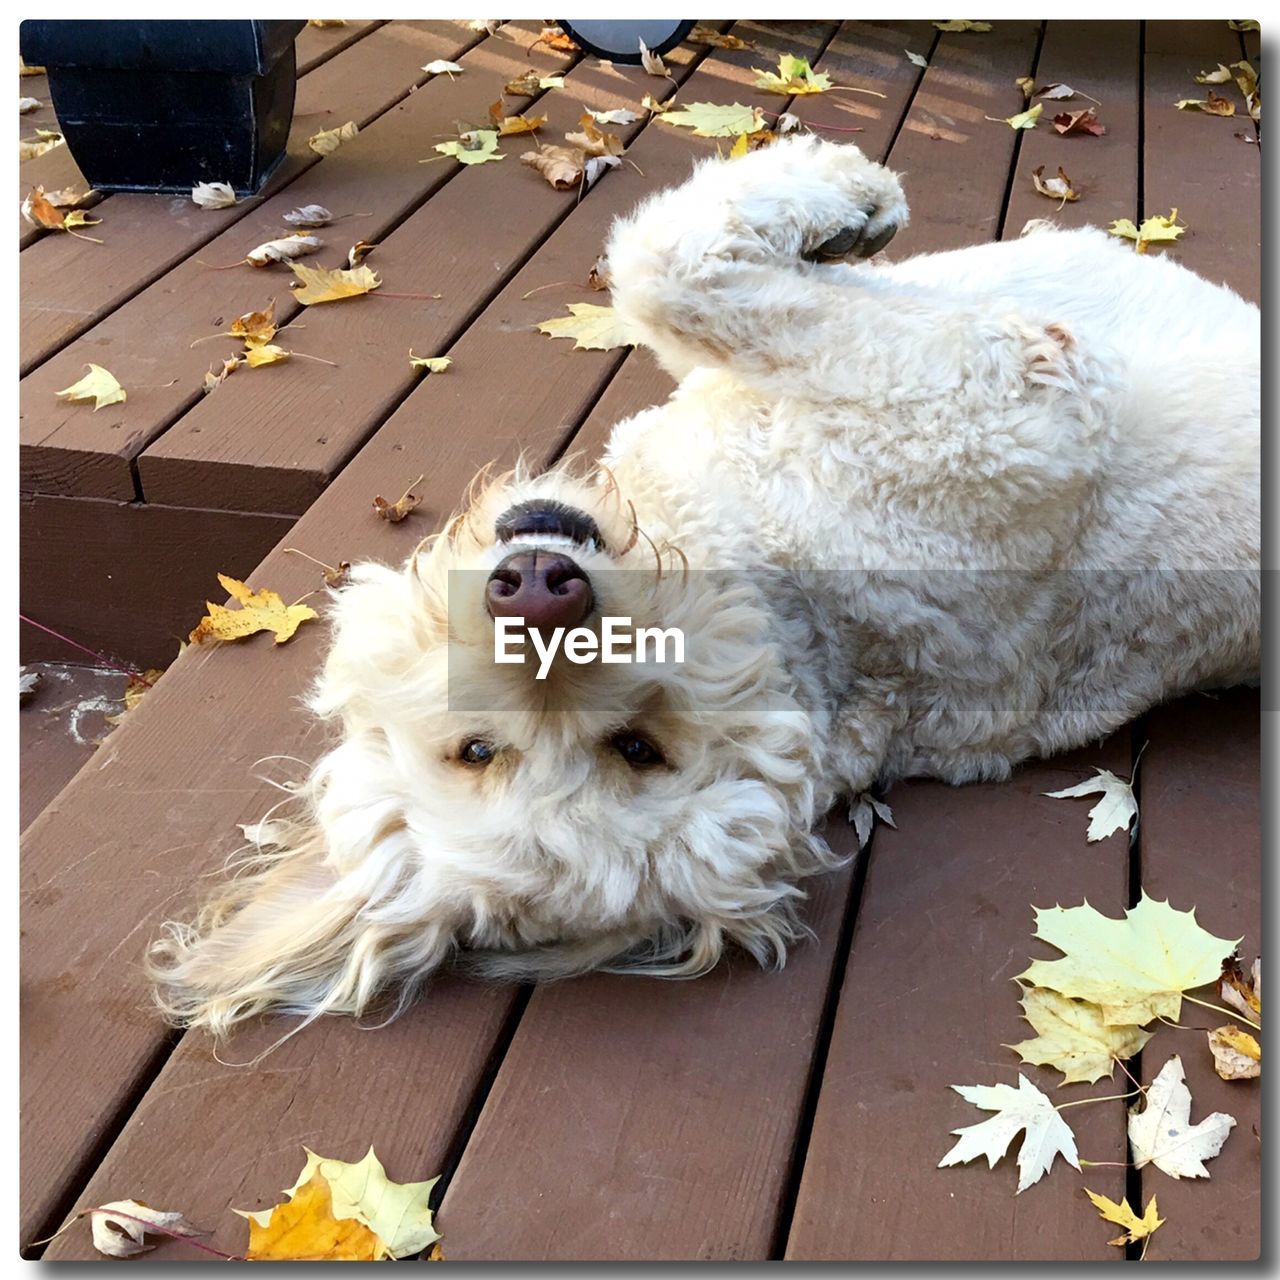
(595, 141)
(1247, 83)
(212, 381)
(1238, 991)
(97, 385)
(1073, 1038)
(322, 285)
(717, 39)
(1221, 76)
(1058, 188)
(654, 107)
(443, 67)
(28, 683)
(359, 252)
(652, 62)
(326, 22)
(793, 76)
(1161, 1133)
(123, 1234)
(26, 105)
(714, 120)
(405, 503)
(1017, 1110)
(309, 215)
(566, 167)
(1135, 1228)
(866, 809)
(134, 691)
(918, 59)
(531, 83)
(24, 70)
(40, 211)
(598, 277)
(296, 245)
(265, 353)
(68, 197)
(509, 125)
(1213, 105)
(305, 1228)
(1154, 230)
(261, 611)
(213, 195)
(255, 327)
(1086, 121)
(962, 24)
(555, 38)
(621, 116)
(1135, 968)
(476, 147)
(592, 328)
(44, 141)
(433, 364)
(1240, 24)
(1117, 808)
(1054, 92)
(327, 141)
(1027, 85)
(1236, 1054)
(1023, 119)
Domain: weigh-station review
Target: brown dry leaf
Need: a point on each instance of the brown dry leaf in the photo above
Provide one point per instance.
(1241, 992)
(40, 211)
(359, 252)
(595, 141)
(1247, 83)
(97, 385)
(137, 688)
(69, 197)
(304, 1228)
(566, 167)
(508, 125)
(322, 285)
(297, 245)
(652, 62)
(598, 276)
(1236, 1054)
(1214, 105)
(1058, 188)
(434, 1254)
(333, 576)
(717, 39)
(265, 353)
(1085, 121)
(260, 611)
(1027, 85)
(255, 328)
(531, 82)
(212, 381)
(555, 38)
(327, 141)
(652, 105)
(397, 510)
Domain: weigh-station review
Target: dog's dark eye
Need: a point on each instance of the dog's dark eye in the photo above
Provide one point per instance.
(476, 751)
(636, 751)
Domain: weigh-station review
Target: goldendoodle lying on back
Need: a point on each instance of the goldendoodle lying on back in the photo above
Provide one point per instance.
(930, 518)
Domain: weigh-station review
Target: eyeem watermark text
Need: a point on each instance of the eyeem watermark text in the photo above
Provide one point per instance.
(617, 642)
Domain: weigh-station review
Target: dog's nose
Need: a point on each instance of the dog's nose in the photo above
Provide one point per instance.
(544, 588)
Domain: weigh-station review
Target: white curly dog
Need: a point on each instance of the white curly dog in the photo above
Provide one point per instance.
(931, 518)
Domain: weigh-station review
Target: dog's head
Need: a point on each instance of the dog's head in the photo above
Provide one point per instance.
(628, 814)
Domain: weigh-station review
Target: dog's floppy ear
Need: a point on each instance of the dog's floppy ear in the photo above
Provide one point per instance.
(295, 934)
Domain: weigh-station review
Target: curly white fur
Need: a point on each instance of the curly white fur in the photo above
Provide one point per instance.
(929, 518)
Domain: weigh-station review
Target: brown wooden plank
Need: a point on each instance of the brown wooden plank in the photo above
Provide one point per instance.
(315, 45)
(218, 449)
(404, 1089)
(635, 1118)
(146, 343)
(69, 284)
(948, 149)
(1104, 170)
(128, 579)
(944, 923)
(1200, 846)
(1194, 162)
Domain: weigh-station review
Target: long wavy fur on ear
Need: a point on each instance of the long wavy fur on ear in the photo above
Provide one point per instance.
(293, 934)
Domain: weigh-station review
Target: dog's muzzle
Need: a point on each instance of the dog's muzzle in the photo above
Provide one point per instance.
(545, 588)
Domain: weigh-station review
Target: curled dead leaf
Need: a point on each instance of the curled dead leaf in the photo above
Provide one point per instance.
(120, 1227)
(97, 385)
(555, 38)
(309, 215)
(432, 364)
(44, 142)
(255, 327)
(1236, 1054)
(296, 245)
(443, 67)
(652, 62)
(212, 381)
(566, 167)
(27, 105)
(359, 252)
(1214, 105)
(401, 507)
(213, 195)
(265, 353)
(1058, 188)
(1086, 121)
(593, 140)
(531, 83)
(327, 141)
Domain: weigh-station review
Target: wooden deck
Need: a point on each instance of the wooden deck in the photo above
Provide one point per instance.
(742, 1116)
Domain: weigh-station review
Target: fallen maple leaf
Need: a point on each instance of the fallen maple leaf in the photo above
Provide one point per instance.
(592, 328)
(476, 147)
(40, 211)
(212, 381)
(327, 141)
(304, 1228)
(1162, 1133)
(261, 611)
(793, 76)
(507, 126)
(565, 167)
(1238, 991)
(1236, 1054)
(531, 82)
(255, 328)
(359, 252)
(97, 385)
(1085, 121)
(1058, 188)
(621, 116)
(1247, 83)
(864, 813)
(1136, 968)
(122, 1234)
(595, 141)
(322, 285)
(296, 245)
(68, 197)
(265, 353)
(555, 38)
(397, 510)
(717, 39)
(1135, 1228)
(44, 142)
(213, 195)
(1017, 1110)
(1221, 76)
(652, 62)
(309, 215)
(1072, 1037)
(714, 120)
(1117, 808)
(962, 24)
(1023, 119)
(1213, 105)
(1153, 230)
(916, 59)
(433, 364)
(443, 67)
(656, 108)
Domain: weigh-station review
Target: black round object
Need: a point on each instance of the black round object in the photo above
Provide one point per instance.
(619, 39)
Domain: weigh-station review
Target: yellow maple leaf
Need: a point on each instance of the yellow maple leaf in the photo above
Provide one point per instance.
(433, 364)
(256, 328)
(1152, 231)
(793, 76)
(1135, 969)
(715, 120)
(321, 285)
(262, 353)
(328, 141)
(260, 611)
(475, 147)
(741, 147)
(304, 1228)
(592, 328)
(97, 385)
(1073, 1038)
(1023, 119)
(1136, 1228)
